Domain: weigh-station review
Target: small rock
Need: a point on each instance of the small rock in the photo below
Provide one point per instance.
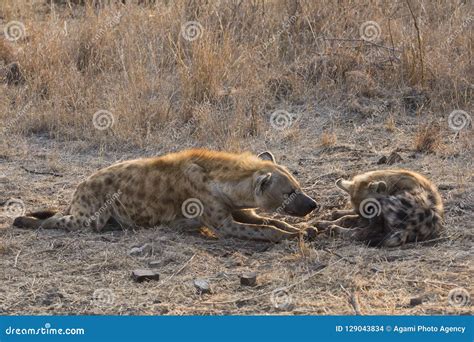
(382, 160)
(446, 187)
(142, 275)
(248, 279)
(416, 301)
(155, 264)
(202, 286)
(376, 269)
(144, 250)
(393, 158)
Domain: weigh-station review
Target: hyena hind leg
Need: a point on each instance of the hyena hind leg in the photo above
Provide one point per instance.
(74, 222)
(33, 220)
(27, 222)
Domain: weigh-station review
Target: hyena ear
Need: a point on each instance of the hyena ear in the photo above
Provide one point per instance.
(262, 182)
(267, 155)
(378, 187)
(344, 184)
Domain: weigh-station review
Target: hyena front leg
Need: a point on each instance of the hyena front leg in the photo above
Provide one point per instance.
(249, 216)
(219, 218)
(336, 214)
(344, 221)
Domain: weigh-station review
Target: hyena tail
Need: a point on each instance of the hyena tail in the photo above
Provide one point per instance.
(43, 214)
(32, 220)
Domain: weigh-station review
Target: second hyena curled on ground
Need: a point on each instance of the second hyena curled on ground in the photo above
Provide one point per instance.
(390, 208)
(197, 187)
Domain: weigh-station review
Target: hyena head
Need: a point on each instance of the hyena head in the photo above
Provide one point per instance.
(361, 188)
(278, 191)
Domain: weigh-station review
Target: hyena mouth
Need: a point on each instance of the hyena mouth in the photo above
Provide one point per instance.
(301, 208)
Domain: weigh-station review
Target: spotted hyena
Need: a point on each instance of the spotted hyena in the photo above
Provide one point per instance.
(390, 208)
(218, 190)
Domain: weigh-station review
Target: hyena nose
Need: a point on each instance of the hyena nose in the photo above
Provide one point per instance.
(314, 206)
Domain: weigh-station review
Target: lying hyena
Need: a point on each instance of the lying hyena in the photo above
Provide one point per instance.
(215, 189)
(390, 208)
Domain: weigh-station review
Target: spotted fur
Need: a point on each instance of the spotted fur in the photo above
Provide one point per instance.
(224, 189)
(409, 208)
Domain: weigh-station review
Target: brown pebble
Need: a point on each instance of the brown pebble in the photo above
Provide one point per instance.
(142, 275)
(248, 279)
(416, 301)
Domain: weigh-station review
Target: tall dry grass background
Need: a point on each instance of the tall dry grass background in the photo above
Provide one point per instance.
(249, 59)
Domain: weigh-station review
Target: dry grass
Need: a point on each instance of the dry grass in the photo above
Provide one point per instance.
(252, 58)
(346, 102)
(428, 137)
(328, 139)
(58, 272)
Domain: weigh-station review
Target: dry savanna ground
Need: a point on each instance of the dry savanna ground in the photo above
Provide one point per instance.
(330, 87)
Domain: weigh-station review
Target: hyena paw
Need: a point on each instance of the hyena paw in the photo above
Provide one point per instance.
(310, 233)
(322, 225)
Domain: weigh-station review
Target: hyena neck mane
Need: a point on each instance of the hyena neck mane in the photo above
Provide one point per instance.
(223, 167)
(238, 194)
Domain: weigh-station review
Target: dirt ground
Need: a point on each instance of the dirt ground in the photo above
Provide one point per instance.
(55, 272)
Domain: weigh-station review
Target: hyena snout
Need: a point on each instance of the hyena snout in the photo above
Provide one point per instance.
(300, 205)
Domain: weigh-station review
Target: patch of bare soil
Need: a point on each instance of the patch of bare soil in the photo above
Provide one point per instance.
(56, 272)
